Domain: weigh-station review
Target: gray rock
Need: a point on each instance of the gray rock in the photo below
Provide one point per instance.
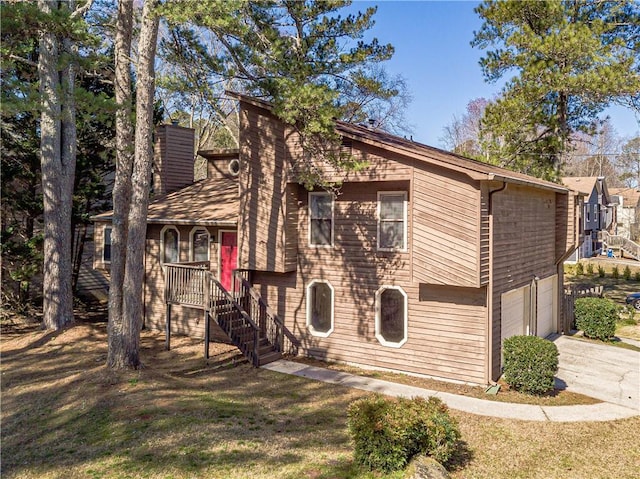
(424, 467)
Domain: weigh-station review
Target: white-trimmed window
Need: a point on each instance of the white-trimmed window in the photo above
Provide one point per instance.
(392, 220)
(391, 316)
(320, 219)
(320, 308)
(169, 245)
(199, 244)
(106, 244)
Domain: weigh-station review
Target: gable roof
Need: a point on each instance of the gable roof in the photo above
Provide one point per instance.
(582, 184)
(630, 196)
(209, 202)
(421, 152)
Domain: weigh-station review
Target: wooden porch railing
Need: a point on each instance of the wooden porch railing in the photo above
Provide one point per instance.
(271, 326)
(620, 243)
(243, 316)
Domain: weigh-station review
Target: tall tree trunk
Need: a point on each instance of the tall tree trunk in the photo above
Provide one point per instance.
(57, 144)
(126, 354)
(122, 185)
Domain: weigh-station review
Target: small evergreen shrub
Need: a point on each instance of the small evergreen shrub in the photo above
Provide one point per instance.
(600, 271)
(615, 273)
(596, 317)
(388, 433)
(579, 269)
(637, 276)
(590, 269)
(627, 273)
(530, 363)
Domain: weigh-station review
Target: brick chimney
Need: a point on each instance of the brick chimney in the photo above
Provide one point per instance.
(173, 158)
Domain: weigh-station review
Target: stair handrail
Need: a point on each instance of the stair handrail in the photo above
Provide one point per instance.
(180, 288)
(231, 300)
(617, 241)
(270, 313)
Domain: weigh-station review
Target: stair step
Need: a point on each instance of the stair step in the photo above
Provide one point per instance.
(269, 358)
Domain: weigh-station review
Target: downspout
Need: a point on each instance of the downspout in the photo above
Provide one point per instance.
(489, 339)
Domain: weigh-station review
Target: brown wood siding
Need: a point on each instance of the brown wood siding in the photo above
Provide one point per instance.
(262, 234)
(184, 320)
(218, 169)
(98, 239)
(524, 221)
(485, 232)
(446, 236)
(173, 158)
(447, 325)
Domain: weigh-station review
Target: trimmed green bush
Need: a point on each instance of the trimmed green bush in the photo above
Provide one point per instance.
(389, 432)
(615, 272)
(627, 273)
(530, 363)
(637, 276)
(600, 271)
(590, 269)
(596, 317)
(579, 269)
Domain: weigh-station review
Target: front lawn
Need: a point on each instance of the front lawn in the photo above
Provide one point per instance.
(64, 415)
(615, 289)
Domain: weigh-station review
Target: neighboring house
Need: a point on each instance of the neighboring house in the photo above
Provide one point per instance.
(599, 212)
(628, 211)
(423, 263)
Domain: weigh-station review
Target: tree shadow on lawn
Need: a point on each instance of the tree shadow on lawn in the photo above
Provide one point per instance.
(64, 412)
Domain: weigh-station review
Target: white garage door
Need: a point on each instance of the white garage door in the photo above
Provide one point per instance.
(546, 323)
(513, 306)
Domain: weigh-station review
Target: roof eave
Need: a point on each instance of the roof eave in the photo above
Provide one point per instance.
(173, 221)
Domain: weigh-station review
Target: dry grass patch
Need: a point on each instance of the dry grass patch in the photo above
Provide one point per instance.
(65, 415)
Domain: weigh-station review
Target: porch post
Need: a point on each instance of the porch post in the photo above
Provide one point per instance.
(167, 326)
(206, 334)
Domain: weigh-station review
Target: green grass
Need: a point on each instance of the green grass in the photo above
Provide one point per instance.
(64, 415)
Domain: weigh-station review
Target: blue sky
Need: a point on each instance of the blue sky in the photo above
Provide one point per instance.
(433, 53)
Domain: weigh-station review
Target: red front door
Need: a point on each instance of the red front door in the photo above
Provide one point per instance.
(228, 257)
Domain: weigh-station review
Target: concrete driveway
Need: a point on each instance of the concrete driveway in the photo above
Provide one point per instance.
(603, 372)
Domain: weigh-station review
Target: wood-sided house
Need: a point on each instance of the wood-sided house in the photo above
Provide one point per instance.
(423, 263)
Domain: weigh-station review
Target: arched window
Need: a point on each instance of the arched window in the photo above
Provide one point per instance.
(199, 244)
(320, 308)
(391, 316)
(169, 245)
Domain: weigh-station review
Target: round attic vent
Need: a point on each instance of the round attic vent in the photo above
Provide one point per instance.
(234, 167)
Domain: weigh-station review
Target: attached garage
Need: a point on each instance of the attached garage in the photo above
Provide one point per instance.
(530, 309)
(515, 312)
(546, 306)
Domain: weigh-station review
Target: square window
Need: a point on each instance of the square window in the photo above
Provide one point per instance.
(320, 219)
(392, 221)
(106, 245)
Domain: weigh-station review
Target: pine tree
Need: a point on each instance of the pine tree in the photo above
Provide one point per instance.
(571, 59)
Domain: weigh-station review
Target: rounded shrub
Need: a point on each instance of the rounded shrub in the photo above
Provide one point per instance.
(530, 363)
(596, 317)
(615, 273)
(627, 273)
(389, 432)
(601, 271)
(590, 269)
(579, 269)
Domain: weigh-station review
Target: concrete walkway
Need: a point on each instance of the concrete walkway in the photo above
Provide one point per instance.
(603, 372)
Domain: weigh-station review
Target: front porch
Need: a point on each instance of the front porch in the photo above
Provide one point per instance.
(241, 313)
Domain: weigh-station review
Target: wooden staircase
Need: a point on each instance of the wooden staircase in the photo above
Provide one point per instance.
(244, 316)
(620, 243)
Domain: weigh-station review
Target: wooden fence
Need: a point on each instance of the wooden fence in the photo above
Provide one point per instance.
(571, 293)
